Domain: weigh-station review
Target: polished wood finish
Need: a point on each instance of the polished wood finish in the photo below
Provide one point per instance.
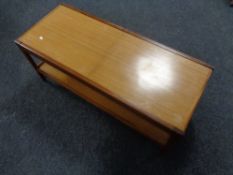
(139, 36)
(161, 85)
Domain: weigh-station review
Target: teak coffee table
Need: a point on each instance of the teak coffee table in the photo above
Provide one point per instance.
(147, 86)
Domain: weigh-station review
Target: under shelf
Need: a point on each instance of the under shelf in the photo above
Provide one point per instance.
(123, 113)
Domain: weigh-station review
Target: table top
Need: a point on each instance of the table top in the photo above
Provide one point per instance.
(150, 78)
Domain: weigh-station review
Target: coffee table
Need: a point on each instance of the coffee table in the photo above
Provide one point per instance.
(146, 85)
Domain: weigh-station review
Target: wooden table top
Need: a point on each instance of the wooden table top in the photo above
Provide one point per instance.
(159, 82)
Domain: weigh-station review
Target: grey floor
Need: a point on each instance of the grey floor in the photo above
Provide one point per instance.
(45, 129)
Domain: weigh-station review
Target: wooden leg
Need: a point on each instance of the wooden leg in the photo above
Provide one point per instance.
(35, 66)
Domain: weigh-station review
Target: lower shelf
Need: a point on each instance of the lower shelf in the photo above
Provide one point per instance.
(116, 109)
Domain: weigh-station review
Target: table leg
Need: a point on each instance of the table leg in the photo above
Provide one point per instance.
(29, 58)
